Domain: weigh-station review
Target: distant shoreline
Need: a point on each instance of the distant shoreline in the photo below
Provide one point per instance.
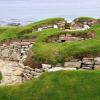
(7, 22)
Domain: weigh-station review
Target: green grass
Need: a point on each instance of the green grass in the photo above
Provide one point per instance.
(63, 85)
(24, 32)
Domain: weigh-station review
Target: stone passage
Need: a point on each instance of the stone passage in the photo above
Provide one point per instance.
(15, 73)
(12, 56)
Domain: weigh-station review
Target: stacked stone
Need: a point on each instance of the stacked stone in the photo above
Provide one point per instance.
(15, 73)
(59, 24)
(15, 51)
(87, 63)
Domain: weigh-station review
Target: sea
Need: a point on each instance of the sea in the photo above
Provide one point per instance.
(28, 11)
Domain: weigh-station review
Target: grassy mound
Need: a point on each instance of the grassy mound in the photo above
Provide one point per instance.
(23, 32)
(84, 19)
(63, 85)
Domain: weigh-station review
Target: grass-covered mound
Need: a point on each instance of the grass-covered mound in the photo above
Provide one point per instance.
(23, 32)
(46, 22)
(64, 85)
(84, 19)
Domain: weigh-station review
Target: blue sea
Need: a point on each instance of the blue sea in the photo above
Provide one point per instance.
(27, 11)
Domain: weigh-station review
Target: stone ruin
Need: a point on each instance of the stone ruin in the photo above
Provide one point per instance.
(84, 25)
(59, 25)
(71, 37)
(16, 51)
(14, 72)
(12, 57)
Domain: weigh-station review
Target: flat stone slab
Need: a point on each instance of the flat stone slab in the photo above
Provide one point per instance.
(60, 68)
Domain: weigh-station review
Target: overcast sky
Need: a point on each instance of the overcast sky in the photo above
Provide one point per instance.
(39, 9)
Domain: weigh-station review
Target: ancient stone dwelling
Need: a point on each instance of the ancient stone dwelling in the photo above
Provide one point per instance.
(82, 25)
(59, 24)
(65, 37)
(11, 62)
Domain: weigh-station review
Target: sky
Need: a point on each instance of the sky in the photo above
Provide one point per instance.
(41, 9)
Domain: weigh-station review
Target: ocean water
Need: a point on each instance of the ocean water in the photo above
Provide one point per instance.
(27, 11)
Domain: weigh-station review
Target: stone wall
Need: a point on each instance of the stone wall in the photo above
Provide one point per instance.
(71, 37)
(59, 24)
(12, 56)
(82, 25)
(15, 51)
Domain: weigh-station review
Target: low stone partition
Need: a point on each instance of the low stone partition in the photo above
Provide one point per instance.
(71, 36)
(58, 24)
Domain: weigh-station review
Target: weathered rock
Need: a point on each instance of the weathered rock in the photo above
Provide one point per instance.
(60, 68)
(17, 73)
(5, 53)
(38, 70)
(97, 60)
(72, 64)
(46, 66)
(97, 67)
(33, 73)
(15, 56)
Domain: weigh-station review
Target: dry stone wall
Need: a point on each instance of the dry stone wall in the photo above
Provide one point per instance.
(12, 56)
(16, 51)
(59, 25)
(71, 37)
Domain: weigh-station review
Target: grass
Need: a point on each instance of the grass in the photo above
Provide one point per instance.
(62, 85)
(8, 33)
